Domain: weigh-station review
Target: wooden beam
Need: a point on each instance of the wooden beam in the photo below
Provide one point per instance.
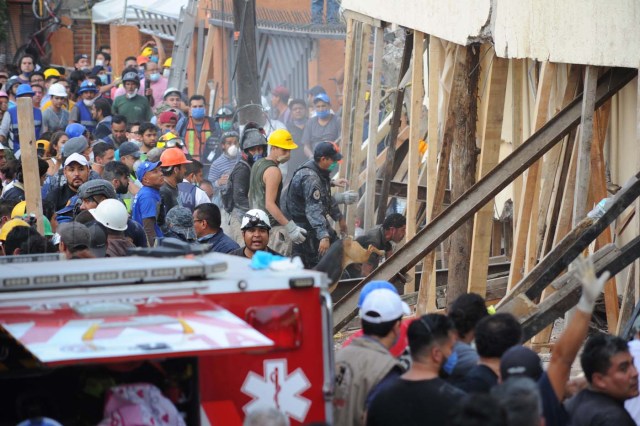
(372, 145)
(627, 300)
(352, 15)
(492, 107)
(29, 160)
(417, 97)
(517, 86)
(443, 225)
(349, 68)
(206, 62)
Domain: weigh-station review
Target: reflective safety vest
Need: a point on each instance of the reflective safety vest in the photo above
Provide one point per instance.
(85, 117)
(14, 134)
(187, 195)
(196, 142)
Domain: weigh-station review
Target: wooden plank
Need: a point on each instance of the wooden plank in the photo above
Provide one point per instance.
(490, 129)
(372, 145)
(206, 61)
(417, 97)
(349, 67)
(530, 187)
(517, 86)
(29, 159)
(356, 153)
(627, 300)
(442, 226)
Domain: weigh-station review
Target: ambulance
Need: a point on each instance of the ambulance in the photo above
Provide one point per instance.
(218, 338)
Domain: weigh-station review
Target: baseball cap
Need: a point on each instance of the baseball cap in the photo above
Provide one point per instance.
(383, 305)
(280, 91)
(322, 97)
(167, 116)
(520, 361)
(180, 220)
(145, 167)
(76, 145)
(76, 158)
(171, 90)
(74, 235)
(75, 129)
(326, 149)
(79, 56)
(129, 148)
(374, 285)
(98, 241)
(8, 227)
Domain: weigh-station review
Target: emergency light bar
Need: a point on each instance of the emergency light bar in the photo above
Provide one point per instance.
(106, 271)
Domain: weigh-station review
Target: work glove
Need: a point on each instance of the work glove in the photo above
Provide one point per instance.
(347, 197)
(591, 285)
(296, 233)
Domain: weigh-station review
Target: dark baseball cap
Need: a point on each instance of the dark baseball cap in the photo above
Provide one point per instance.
(520, 361)
(74, 235)
(129, 148)
(327, 149)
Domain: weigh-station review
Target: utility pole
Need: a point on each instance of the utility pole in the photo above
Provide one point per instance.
(245, 67)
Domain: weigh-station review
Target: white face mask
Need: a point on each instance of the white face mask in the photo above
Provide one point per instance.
(99, 62)
(130, 95)
(88, 102)
(136, 164)
(91, 158)
(232, 151)
(166, 72)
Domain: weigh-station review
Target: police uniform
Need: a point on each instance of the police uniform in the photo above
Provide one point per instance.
(308, 203)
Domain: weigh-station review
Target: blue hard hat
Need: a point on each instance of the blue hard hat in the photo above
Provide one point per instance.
(24, 90)
(74, 130)
(87, 86)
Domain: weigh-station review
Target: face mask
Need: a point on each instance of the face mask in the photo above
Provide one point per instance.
(451, 363)
(85, 68)
(154, 58)
(166, 72)
(197, 113)
(256, 157)
(323, 114)
(226, 125)
(88, 102)
(130, 95)
(333, 166)
(91, 157)
(300, 122)
(283, 158)
(154, 77)
(104, 79)
(99, 62)
(136, 164)
(232, 151)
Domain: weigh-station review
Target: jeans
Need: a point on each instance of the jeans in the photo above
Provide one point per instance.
(332, 11)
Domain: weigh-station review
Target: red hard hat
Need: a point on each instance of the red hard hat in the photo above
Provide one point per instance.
(173, 157)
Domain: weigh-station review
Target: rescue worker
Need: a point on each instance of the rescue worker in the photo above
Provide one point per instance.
(323, 127)
(235, 197)
(81, 111)
(197, 128)
(382, 237)
(174, 169)
(9, 126)
(118, 131)
(265, 189)
(56, 118)
(224, 164)
(255, 231)
(113, 216)
(133, 106)
(147, 208)
(76, 172)
(280, 104)
(180, 224)
(309, 201)
(206, 222)
(190, 186)
(149, 134)
(93, 192)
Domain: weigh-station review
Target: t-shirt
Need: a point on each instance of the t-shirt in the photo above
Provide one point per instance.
(52, 121)
(414, 402)
(169, 196)
(148, 204)
(314, 132)
(467, 360)
(553, 410)
(60, 196)
(136, 109)
(480, 379)
(591, 408)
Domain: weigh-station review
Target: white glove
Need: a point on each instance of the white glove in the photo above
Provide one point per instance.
(296, 233)
(347, 197)
(591, 285)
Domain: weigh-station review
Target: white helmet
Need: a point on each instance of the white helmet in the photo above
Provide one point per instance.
(112, 214)
(255, 218)
(57, 89)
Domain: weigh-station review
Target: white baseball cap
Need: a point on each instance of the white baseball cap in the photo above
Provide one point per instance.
(76, 158)
(383, 305)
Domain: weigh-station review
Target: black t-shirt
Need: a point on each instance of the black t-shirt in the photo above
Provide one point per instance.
(60, 196)
(480, 379)
(408, 403)
(554, 412)
(590, 408)
(169, 197)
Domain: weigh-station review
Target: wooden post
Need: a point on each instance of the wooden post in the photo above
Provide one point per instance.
(372, 145)
(347, 99)
(490, 129)
(417, 98)
(206, 62)
(29, 159)
(517, 86)
(358, 122)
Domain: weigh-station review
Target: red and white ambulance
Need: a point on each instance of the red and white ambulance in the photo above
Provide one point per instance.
(217, 337)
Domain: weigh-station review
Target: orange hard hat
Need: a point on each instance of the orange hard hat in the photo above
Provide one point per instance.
(173, 157)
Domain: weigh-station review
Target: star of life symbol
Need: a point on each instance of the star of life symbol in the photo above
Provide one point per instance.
(278, 389)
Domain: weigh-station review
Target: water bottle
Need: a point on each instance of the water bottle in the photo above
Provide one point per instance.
(600, 209)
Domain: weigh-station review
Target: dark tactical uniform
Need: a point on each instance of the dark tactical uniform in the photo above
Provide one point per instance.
(309, 201)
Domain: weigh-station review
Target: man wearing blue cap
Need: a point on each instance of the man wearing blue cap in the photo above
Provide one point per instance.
(147, 208)
(81, 111)
(9, 125)
(323, 127)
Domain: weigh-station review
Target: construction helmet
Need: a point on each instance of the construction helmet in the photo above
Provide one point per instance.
(57, 89)
(87, 86)
(147, 51)
(8, 227)
(255, 218)
(282, 139)
(131, 76)
(167, 63)
(24, 90)
(51, 72)
(96, 187)
(112, 214)
(173, 157)
(225, 111)
(251, 138)
(19, 210)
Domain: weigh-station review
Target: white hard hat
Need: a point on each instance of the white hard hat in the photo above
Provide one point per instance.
(57, 89)
(112, 214)
(255, 218)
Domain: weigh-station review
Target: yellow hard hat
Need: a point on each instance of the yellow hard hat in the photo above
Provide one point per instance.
(147, 51)
(19, 210)
(8, 227)
(282, 139)
(167, 63)
(51, 72)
